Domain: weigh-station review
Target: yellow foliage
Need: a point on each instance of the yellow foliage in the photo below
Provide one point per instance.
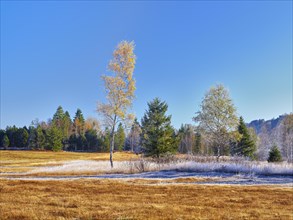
(121, 86)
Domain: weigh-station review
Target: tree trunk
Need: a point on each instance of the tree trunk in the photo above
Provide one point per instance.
(112, 147)
(112, 142)
(218, 156)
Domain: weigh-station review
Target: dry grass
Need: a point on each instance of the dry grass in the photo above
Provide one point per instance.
(113, 199)
(23, 161)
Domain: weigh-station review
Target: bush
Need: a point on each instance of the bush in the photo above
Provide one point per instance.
(275, 155)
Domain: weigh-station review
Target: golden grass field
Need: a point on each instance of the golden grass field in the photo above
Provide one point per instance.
(132, 198)
(112, 199)
(20, 161)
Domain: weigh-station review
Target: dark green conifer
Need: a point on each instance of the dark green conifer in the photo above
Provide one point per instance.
(158, 136)
(275, 154)
(246, 146)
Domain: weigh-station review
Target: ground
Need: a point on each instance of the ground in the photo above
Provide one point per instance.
(176, 198)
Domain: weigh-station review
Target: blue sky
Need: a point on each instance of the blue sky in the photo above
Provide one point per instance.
(53, 53)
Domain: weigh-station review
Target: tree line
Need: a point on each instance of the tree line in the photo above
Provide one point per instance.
(61, 133)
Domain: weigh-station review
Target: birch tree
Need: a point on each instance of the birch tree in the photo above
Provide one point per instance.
(119, 89)
(217, 118)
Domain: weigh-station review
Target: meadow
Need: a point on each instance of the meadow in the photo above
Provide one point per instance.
(129, 198)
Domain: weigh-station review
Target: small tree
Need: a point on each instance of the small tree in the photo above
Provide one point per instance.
(119, 89)
(275, 154)
(158, 136)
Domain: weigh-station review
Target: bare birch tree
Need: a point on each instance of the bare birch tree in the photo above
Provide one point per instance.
(119, 88)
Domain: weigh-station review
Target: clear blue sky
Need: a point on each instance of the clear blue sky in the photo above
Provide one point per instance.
(53, 53)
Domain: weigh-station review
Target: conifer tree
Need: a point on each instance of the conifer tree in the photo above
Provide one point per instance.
(78, 123)
(158, 136)
(120, 138)
(55, 138)
(5, 141)
(246, 146)
(275, 154)
(58, 117)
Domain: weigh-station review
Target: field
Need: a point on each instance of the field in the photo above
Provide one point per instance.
(129, 198)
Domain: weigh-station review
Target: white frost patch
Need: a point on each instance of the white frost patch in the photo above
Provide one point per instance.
(245, 167)
(259, 168)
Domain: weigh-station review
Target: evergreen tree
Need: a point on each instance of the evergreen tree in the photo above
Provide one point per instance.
(246, 146)
(198, 144)
(92, 140)
(40, 139)
(72, 142)
(120, 138)
(32, 138)
(2, 134)
(5, 141)
(158, 136)
(78, 123)
(11, 132)
(21, 138)
(54, 138)
(106, 140)
(58, 117)
(275, 154)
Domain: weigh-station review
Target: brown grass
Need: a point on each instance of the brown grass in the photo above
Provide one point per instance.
(22, 161)
(113, 199)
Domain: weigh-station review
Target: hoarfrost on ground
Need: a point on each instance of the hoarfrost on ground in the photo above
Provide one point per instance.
(243, 167)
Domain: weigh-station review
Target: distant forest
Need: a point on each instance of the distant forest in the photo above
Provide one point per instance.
(62, 133)
(86, 135)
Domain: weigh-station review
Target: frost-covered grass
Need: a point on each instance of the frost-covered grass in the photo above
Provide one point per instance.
(247, 167)
(137, 166)
(68, 163)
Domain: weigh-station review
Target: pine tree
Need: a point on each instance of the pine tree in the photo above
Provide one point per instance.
(21, 137)
(106, 140)
(120, 138)
(58, 117)
(158, 136)
(67, 123)
(275, 154)
(78, 123)
(2, 137)
(198, 144)
(246, 146)
(55, 138)
(41, 138)
(5, 141)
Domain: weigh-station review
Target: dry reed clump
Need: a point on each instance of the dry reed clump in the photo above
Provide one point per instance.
(112, 199)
